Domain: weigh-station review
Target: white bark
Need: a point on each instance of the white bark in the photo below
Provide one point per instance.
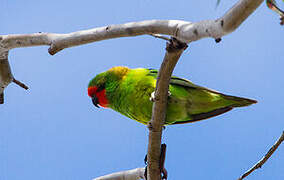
(133, 174)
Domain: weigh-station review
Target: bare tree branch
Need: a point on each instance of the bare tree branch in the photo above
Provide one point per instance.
(133, 174)
(182, 30)
(238, 14)
(265, 158)
(173, 53)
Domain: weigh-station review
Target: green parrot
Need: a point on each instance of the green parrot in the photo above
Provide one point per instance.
(129, 92)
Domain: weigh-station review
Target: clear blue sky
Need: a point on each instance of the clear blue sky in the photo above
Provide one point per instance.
(53, 132)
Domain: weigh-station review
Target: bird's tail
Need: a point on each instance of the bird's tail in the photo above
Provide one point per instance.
(224, 104)
(239, 101)
(230, 101)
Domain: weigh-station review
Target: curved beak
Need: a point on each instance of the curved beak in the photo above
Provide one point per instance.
(95, 101)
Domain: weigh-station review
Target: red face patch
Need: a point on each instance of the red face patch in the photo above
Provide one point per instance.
(101, 95)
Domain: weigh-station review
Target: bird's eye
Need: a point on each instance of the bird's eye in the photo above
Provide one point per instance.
(100, 88)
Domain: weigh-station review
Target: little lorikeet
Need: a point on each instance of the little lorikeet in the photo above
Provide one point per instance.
(128, 92)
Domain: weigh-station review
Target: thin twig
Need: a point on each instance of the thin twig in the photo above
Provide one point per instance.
(265, 158)
(19, 83)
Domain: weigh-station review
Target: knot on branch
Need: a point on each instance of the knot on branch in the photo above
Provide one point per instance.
(174, 45)
(150, 126)
(154, 129)
(53, 49)
(218, 40)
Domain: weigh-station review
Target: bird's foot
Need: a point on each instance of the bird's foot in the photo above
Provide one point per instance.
(153, 97)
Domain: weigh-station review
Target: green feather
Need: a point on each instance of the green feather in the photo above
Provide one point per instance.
(128, 92)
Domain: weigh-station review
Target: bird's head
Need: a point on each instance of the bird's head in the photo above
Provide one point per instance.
(97, 90)
(104, 84)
